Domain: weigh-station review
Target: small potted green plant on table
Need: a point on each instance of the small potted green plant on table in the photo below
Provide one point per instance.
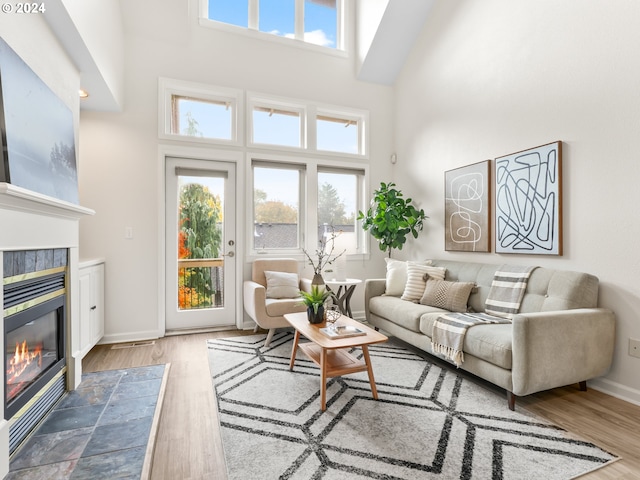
(314, 300)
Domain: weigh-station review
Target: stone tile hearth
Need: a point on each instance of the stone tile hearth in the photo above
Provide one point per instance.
(100, 430)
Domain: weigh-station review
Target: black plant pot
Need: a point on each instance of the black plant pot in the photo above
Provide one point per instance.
(314, 317)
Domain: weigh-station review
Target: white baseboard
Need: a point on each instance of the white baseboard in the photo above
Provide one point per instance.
(129, 337)
(154, 334)
(615, 389)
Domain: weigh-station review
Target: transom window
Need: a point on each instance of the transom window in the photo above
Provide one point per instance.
(201, 118)
(316, 22)
(200, 113)
(276, 126)
(338, 134)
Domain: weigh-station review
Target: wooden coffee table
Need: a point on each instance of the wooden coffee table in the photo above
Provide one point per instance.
(331, 354)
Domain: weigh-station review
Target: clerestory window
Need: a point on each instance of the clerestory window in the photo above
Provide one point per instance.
(317, 22)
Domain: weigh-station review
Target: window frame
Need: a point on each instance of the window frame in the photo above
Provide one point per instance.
(269, 161)
(308, 204)
(361, 173)
(255, 100)
(170, 88)
(253, 27)
(361, 117)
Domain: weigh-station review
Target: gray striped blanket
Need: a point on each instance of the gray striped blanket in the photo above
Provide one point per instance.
(449, 330)
(503, 302)
(507, 289)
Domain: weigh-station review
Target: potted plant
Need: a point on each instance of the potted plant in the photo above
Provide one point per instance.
(314, 300)
(391, 218)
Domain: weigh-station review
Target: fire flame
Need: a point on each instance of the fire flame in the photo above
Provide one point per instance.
(22, 358)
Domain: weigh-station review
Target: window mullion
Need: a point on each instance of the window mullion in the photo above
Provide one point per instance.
(254, 14)
(299, 20)
(311, 211)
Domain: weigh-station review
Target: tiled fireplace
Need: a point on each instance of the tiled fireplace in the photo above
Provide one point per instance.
(39, 255)
(34, 324)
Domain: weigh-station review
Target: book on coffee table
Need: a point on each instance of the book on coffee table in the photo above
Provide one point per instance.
(342, 331)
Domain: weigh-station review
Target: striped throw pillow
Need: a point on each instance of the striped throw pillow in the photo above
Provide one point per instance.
(417, 275)
(396, 277)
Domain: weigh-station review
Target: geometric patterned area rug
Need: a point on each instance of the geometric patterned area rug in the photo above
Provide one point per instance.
(428, 422)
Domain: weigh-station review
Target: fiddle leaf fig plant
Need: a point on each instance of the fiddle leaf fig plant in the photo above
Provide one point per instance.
(391, 217)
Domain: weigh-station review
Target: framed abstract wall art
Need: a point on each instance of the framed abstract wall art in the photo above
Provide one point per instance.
(529, 201)
(467, 208)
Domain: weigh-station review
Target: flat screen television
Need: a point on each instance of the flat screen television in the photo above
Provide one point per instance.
(37, 131)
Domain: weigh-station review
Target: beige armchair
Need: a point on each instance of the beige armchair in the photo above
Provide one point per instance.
(268, 313)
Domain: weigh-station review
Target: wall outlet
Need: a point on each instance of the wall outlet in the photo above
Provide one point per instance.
(128, 233)
(634, 347)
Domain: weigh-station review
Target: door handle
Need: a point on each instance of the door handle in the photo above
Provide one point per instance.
(230, 254)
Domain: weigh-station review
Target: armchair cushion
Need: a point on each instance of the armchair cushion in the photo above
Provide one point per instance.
(277, 307)
(282, 284)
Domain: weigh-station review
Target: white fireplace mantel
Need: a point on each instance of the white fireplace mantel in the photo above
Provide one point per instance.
(21, 199)
(31, 221)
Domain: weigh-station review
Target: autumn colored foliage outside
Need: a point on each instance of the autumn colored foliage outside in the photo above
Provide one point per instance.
(199, 237)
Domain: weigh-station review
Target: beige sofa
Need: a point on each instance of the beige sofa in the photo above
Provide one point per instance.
(559, 336)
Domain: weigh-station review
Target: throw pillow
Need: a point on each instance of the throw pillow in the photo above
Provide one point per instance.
(417, 275)
(452, 296)
(282, 284)
(396, 278)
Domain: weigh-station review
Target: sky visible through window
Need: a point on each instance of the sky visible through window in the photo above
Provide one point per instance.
(278, 17)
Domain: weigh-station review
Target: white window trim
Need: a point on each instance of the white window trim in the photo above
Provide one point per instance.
(309, 196)
(360, 116)
(168, 88)
(253, 31)
(278, 103)
(309, 111)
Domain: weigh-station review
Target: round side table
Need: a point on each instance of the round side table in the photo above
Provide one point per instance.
(342, 296)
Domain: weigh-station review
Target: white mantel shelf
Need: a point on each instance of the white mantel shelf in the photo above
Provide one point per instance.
(17, 198)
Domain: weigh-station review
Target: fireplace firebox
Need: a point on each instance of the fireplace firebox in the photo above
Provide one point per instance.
(34, 334)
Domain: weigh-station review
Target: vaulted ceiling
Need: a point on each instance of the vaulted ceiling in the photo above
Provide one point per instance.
(391, 26)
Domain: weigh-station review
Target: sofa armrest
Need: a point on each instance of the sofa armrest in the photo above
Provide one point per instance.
(373, 287)
(553, 349)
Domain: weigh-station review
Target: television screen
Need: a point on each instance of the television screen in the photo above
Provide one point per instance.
(38, 143)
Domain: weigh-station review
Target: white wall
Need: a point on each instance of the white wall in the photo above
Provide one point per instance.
(99, 23)
(121, 170)
(30, 37)
(491, 78)
(369, 16)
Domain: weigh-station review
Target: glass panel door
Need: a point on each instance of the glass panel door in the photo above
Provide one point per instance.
(200, 244)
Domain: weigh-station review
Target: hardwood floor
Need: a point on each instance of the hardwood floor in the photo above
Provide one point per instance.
(188, 445)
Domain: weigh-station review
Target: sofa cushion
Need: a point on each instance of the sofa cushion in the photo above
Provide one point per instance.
(396, 278)
(277, 307)
(452, 296)
(417, 275)
(491, 343)
(403, 313)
